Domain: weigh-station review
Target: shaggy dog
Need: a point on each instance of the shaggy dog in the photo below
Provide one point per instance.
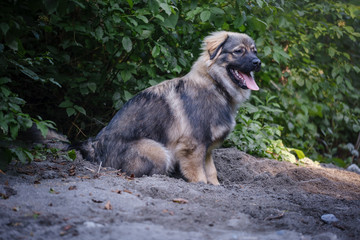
(178, 122)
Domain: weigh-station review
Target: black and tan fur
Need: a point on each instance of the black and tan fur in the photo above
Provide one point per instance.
(180, 121)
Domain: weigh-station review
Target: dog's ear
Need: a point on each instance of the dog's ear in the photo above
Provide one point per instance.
(215, 42)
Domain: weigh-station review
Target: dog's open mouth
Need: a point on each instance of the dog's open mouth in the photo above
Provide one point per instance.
(244, 80)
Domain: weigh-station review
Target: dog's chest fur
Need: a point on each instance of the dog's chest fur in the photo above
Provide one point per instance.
(198, 112)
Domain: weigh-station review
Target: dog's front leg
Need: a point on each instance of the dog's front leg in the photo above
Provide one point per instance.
(210, 170)
(191, 157)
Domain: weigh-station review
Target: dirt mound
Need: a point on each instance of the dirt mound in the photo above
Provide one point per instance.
(258, 199)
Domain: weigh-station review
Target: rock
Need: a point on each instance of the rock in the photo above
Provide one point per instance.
(325, 236)
(240, 222)
(92, 224)
(354, 168)
(329, 218)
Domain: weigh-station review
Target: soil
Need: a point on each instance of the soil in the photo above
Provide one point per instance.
(258, 199)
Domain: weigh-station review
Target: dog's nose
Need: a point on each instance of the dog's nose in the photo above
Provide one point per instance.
(256, 62)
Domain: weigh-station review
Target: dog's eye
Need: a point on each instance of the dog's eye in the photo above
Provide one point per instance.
(240, 51)
(254, 51)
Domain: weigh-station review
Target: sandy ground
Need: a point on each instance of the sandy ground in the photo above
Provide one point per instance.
(257, 199)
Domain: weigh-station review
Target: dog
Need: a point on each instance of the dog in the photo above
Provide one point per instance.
(180, 121)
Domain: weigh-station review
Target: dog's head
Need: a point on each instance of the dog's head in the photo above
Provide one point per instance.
(235, 53)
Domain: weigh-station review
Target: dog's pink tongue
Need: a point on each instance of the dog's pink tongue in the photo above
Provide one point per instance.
(250, 82)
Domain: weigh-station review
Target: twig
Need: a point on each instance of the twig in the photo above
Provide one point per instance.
(78, 129)
(274, 84)
(99, 168)
(275, 217)
(91, 170)
(357, 146)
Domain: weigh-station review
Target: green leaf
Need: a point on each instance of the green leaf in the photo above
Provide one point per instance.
(4, 28)
(143, 18)
(217, 11)
(153, 82)
(127, 44)
(92, 86)
(205, 15)
(125, 75)
(80, 109)
(4, 80)
(25, 122)
(171, 21)
(331, 51)
(52, 80)
(20, 155)
(276, 57)
(356, 69)
(267, 51)
(166, 8)
(79, 4)
(133, 21)
(155, 51)
(99, 33)
(131, 3)
(300, 154)
(300, 81)
(257, 24)
(161, 18)
(29, 73)
(72, 154)
(42, 127)
(70, 111)
(14, 130)
(51, 5)
(14, 45)
(65, 104)
(260, 3)
(127, 95)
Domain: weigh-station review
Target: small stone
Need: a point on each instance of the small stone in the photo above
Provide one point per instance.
(92, 224)
(329, 218)
(354, 168)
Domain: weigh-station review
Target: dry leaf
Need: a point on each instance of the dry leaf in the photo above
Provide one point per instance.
(169, 212)
(180, 200)
(83, 177)
(72, 188)
(53, 191)
(131, 177)
(97, 201)
(116, 191)
(127, 191)
(108, 206)
(72, 171)
(67, 227)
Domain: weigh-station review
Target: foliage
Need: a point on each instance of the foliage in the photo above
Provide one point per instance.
(76, 63)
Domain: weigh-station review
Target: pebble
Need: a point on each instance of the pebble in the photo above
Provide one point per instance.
(92, 224)
(354, 168)
(329, 218)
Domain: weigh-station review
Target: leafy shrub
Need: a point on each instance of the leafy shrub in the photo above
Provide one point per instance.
(76, 62)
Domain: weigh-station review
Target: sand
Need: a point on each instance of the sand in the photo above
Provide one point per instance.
(258, 199)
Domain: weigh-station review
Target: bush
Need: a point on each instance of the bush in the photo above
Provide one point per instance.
(76, 63)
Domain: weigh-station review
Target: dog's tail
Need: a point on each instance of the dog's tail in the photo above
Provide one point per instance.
(86, 148)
